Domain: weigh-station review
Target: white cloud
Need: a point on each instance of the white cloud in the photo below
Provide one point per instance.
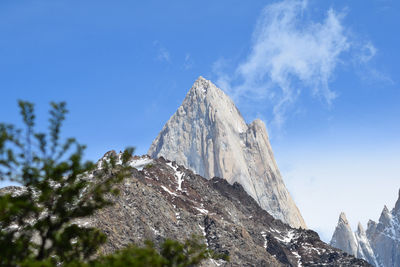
(162, 52)
(188, 64)
(290, 53)
(367, 52)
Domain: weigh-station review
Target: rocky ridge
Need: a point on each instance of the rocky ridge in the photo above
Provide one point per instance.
(161, 199)
(379, 245)
(208, 135)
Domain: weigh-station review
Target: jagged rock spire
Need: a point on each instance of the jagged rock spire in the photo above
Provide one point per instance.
(208, 135)
(356, 244)
(379, 245)
(343, 236)
(360, 229)
(396, 209)
(385, 216)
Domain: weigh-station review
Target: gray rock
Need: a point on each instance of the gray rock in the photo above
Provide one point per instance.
(161, 199)
(208, 135)
(343, 237)
(384, 236)
(379, 245)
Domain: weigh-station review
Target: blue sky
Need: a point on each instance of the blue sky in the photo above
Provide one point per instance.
(323, 75)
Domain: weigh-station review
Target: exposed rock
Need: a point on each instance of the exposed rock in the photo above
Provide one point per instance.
(208, 135)
(379, 245)
(164, 200)
(364, 249)
(343, 237)
(384, 236)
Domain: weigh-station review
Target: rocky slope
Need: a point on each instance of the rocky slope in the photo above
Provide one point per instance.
(379, 245)
(165, 200)
(208, 135)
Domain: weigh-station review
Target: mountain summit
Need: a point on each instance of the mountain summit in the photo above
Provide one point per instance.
(208, 135)
(379, 245)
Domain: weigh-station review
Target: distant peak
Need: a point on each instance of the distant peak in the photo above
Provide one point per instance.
(385, 216)
(342, 218)
(385, 210)
(258, 122)
(201, 81)
(371, 224)
(201, 78)
(202, 86)
(360, 228)
(397, 205)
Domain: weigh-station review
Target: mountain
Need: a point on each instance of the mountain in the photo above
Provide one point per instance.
(209, 136)
(355, 244)
(161, 199)
(379, 245)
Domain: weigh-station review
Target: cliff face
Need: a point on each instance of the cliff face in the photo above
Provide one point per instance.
(379, 245)
(208, 135)
(343, 237)
(384, 236)
(355, 244)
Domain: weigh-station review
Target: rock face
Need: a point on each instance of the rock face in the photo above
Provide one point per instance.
(208, 135)
(343, 237)
(161, 199)
(355, 244)
(379, 245)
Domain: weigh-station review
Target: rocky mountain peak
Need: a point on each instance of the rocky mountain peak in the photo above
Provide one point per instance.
(208, 135)
(379, 244)
(360, 229)
(356, 243)
(385, 216)
(343, 219)
(396, 209)
(343, 236)
(201, 86)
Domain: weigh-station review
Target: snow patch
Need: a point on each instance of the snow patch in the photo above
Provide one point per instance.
(286, 238)
(139, 164)
(218, 263)
(296, 254)
(202, 229)
(169, 192)
(204, 211)
(178, 175)
(264, 235)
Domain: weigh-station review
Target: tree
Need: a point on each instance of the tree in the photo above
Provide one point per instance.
(39, 222)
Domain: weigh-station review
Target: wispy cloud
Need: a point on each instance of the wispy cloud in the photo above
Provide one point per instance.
(162, 53)
(290, 53)
(188, 63)
(366, 71)
(367, 52)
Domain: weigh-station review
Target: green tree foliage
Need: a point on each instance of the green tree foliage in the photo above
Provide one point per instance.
(39, 221)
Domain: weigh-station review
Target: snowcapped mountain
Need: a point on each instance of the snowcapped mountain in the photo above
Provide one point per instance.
(208, 135)
(379, 245)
